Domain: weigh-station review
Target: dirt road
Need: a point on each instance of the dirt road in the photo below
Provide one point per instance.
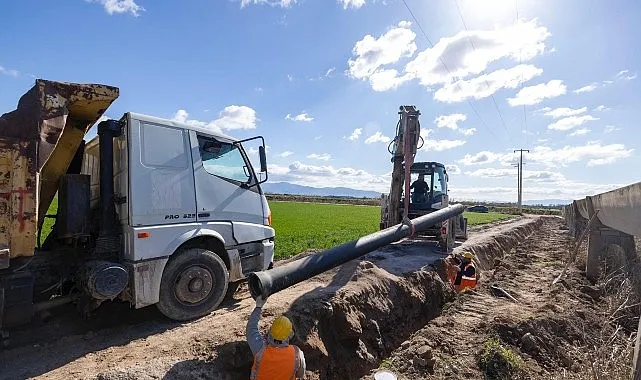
(348, 321)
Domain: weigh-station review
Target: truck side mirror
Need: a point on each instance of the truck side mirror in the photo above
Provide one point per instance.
(263, 159)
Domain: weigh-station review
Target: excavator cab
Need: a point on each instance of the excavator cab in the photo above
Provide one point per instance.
(428, 187)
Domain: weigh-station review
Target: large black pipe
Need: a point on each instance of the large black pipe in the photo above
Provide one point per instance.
(107, 131)
(268, 282)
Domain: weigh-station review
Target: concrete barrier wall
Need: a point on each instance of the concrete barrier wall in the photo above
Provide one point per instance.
(619, 220)
(620, 209)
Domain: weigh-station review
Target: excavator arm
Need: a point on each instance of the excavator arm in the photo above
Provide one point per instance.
(403, 149)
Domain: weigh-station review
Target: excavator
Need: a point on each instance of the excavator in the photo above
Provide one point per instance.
(401, 205)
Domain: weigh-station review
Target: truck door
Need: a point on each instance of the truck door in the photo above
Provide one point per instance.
(222, 173)
(162, 187)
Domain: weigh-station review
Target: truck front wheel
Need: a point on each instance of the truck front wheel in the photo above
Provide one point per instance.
(193, 284)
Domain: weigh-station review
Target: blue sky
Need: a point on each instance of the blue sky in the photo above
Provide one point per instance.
(322, 80)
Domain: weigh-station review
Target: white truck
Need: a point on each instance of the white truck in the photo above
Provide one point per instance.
(151, 211)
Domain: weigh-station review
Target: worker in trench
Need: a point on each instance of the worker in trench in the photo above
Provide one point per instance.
(274, 357)
(465, 272)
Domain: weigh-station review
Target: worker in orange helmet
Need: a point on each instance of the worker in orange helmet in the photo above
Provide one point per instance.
(466, 276)
(274, 357)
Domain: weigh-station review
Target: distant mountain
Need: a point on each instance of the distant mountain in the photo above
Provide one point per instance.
(293, 189)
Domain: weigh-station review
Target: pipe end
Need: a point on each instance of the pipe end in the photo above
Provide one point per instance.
(255, 285)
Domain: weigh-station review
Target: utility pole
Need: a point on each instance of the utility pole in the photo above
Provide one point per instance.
(520, 175)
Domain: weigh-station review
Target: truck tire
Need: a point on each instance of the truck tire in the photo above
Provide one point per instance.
(193, 284)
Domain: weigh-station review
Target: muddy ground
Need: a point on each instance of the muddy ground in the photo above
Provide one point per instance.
(390, 309)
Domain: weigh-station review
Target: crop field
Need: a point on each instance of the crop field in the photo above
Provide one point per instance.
(303, 226)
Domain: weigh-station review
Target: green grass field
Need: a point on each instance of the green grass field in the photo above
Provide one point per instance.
(303, 226)
(48, 223)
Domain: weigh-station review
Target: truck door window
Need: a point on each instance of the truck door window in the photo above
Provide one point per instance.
(163, 146)
(223, 159)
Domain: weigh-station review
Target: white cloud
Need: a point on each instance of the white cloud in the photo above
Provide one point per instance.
(520, 42)
(601, 108)
(624, 75)
(318, 137)
(483, 157)
(580, 132)
(449, 121)
(230, 118)
(352, 3)
(468, 131)
(285, 154)
(329, 176)
(441, 145)
(377, 137)
(300, 117)
(322, 157)
(453, 169)
(594, 152)
(571, 122)
(10, 72)
(589, 88)
(610, 129)
(290, 77)
(565, 190)
(356, 134)
(523, 40)
(536, 94)
(273, 3)
(370, 54)
(330, 71)
(487, 84)
(386, 79)
(121, 6)
(533, 175)
(565, 112)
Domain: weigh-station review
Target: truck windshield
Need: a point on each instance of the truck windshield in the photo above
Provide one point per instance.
(223, 159)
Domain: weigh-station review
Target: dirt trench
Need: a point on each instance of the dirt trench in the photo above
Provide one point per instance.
(561, 331)
(347, 321)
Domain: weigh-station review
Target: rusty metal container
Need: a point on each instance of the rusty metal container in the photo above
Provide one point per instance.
(38, 141)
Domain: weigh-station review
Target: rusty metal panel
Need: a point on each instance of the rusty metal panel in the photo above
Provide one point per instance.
(38, 142)
(17, 201)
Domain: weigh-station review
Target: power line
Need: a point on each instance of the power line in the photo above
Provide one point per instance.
(496, 106)
(448, 69)
(516, 8)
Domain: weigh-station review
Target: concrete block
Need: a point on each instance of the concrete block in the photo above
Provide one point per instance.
(596, 249)
(599, 240)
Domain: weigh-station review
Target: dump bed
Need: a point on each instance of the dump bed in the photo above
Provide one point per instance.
(38, 142)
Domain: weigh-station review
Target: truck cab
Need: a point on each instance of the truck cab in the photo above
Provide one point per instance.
(150, 211)
(190, 207)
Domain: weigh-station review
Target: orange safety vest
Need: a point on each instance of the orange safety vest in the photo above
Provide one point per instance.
(467, 282)
(276, 363)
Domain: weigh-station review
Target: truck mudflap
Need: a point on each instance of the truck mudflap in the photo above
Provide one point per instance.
(38, 141)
